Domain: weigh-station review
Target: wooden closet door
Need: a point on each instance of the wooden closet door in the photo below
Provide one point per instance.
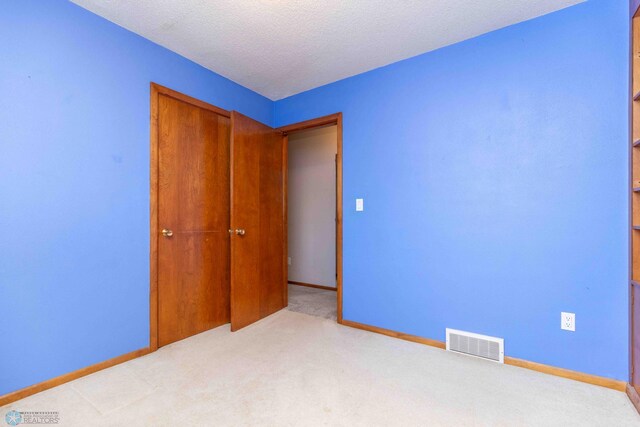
(258, 278)
(193, 211)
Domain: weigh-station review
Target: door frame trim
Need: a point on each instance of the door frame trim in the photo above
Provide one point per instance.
(154, 231)
(331, 119)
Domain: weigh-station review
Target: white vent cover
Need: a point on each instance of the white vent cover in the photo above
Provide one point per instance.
(477, 345)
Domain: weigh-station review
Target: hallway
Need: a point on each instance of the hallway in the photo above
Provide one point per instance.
(311, 301)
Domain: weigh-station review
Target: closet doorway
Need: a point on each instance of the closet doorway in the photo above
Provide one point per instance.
(314, 216)
(190, 210)
(217, 220)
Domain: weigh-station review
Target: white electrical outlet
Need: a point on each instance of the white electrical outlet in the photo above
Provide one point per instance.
(568, 321)
(288, 260)
(359, 205)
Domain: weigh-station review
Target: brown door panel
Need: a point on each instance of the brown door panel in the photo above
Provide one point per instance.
(258, 281)
(193, 203)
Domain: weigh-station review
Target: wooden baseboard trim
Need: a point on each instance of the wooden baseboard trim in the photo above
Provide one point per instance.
(311, 285)
(394, 334)
(551, 370)
(53, 382)
(567, 373)
(633, 396)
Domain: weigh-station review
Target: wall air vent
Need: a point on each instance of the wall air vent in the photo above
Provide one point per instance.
(482, 346)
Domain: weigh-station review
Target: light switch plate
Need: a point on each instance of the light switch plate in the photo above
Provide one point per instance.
(359, 205)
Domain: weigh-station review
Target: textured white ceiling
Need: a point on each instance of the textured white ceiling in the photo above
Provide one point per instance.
(282, 47)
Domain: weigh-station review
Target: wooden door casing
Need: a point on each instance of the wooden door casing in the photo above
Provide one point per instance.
(332, 119)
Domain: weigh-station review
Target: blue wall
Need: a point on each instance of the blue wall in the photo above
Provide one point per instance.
(494, 174)
(74, 183)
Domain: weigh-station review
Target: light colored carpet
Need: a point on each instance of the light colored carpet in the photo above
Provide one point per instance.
(312, 301)
(292, 369)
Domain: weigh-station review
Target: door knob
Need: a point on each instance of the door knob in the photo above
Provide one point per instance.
(240, 232)
(166, 232)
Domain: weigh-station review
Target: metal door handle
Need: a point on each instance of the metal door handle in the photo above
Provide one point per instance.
(166, 232)
(240, 232)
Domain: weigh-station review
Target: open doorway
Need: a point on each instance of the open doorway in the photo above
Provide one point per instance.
(314, 217)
